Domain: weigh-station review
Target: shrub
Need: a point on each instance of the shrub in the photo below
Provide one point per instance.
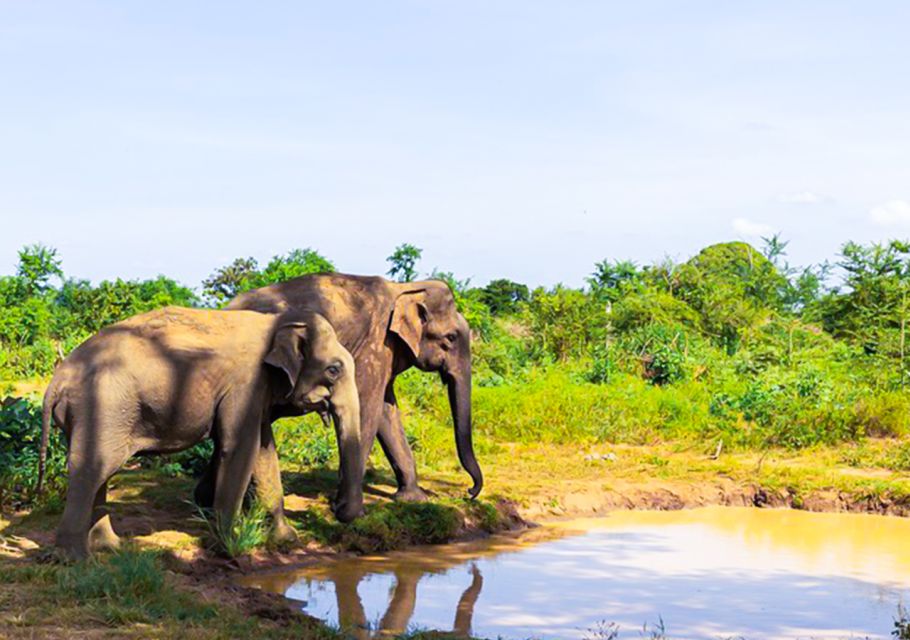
(305, 441)
(20, 436)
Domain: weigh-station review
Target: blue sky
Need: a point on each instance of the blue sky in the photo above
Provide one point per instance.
(518, 139)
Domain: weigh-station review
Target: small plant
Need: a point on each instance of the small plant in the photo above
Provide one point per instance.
(899, 460)
(901, 629)
(656, 632)
(602, 365)
(602, 630)
(247, 532)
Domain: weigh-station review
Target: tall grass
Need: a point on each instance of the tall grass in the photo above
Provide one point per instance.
(246, 532)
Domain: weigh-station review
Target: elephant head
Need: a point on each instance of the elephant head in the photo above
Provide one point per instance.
(437, 338)
(321, 377)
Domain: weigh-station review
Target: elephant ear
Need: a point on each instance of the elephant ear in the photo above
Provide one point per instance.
(287, 350)
(409, 318)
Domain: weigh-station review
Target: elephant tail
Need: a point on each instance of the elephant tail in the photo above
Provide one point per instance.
(47, 411)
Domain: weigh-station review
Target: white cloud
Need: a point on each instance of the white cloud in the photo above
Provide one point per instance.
(802, 197)
(892, 213)
(749, 228)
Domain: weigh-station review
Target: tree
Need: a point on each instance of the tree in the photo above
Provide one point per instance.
(296, 263)
(504, 296)
(733, 287)
(564, 322)
(872, 309)
(228, 281)
(403, 261)
(244, 274)
(37, 264)
(613, 280)
(775, 248)
(804, 286)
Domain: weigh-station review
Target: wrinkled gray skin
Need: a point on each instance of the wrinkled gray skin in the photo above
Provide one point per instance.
(162, 381)
(388, 327)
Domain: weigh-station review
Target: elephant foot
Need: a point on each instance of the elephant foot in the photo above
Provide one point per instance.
(348, 511)
(102, 535)
(282, 533)
(73, 546)
(411, 494)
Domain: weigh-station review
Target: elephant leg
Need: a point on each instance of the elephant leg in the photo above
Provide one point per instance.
(352, 618)
(371, 416)
(401, 607)
(102, 534)
(239, 443)
(89, 471)
(394, 444)
(267, 484)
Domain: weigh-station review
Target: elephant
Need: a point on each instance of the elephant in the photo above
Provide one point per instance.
(162, 381)
(353, 618)
(350, 579)
(388, 327)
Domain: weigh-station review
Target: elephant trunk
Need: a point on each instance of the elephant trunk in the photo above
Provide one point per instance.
(459, 386)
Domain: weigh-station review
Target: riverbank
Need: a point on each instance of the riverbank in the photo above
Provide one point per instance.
(195, 589)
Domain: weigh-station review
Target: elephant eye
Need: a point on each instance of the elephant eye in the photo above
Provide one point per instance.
(334, 370)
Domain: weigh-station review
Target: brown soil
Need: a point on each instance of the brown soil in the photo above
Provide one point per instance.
(594, 500)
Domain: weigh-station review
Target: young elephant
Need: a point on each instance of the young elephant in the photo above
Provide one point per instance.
(162, 381)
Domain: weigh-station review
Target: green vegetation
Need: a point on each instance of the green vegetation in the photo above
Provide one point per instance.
(20, 429)
(128, 587)
(247, 532)
(134, 592)
(403, 262)
(733, 348)
(397, 525)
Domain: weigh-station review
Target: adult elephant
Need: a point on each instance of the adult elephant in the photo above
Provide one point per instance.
(388, 327)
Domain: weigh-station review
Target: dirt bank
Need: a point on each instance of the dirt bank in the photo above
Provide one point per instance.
(595, 500)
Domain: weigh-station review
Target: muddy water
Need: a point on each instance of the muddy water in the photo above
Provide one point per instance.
(708, 573)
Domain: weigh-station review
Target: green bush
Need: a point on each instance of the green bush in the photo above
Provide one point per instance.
(731, 345)
(305, 442)
(20, 436)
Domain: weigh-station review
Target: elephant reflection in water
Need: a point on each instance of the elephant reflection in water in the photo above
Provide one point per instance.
(353, 618)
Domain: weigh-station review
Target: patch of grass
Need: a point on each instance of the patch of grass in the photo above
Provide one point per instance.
(899, 458)
(247, 531)
(128, 587)
(129, 593)
(396, 525)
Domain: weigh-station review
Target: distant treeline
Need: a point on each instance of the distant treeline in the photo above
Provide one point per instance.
(721, 295)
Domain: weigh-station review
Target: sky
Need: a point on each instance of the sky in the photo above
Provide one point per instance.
(524, 139)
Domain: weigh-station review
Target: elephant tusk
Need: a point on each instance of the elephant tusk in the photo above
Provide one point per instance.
(324, 413)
